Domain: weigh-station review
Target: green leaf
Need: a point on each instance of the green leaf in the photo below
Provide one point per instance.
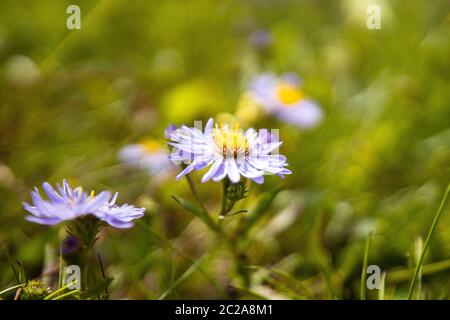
(285, 282)
(427, 269)
(262, 207)
(99, 289)
(67, 294)
(11, 289)
(199, 212)
(61, 269)
(13, 266)
(184, 276)
(322, 257)
(60, 290)
(427, 241)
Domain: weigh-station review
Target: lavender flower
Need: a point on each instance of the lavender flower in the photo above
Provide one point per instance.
(260, 39)
(118, 216)
(230, 152)
(66, 203)
(70, 246)
(147, 155)
(283, 97)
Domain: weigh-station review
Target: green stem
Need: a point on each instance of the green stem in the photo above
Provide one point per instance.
(240, 260)
(362, 289)
(84, 230)
(226, 205)
(239, 257)
(194, 192)
(427, 241)
(84, 275)
(61, 269)
(67, 294)
(11, 289)
(223, 205)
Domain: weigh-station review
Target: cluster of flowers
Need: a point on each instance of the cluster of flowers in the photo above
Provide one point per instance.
(229, 152)
(279, 96)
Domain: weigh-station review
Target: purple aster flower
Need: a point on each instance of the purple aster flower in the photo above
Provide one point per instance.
(230, 152)
(147, 155)
(70, 245)
(260, 39)
(66, 203)
(118, 216)
(171, 128)
(283, 97)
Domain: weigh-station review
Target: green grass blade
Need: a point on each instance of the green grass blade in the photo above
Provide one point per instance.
(183, 277)
(199, 212)
(362, 288)
(165, 243)
(13, 266)
(56, 292)
(11, 289)
(61, 269)
(260, 210)
(427, 269)
(427, 241)
(418, 248)
(322, 259)
(250, 293)
(67, 294)
(381, 292)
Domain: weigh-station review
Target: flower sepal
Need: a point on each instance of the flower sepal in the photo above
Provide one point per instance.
(34, 290)
(232, 193)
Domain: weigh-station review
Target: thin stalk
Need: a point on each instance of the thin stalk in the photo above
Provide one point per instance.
(418, 251)
(70, 293)
(61, 270)
(362, 289)
(381, 292)
(427, 269)
(194, 192)
(84, 276)
(240, 263)
(427, 241)
(224, 205)
(11, 289)
(60, 290)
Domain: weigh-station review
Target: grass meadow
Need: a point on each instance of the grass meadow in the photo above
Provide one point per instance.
(368, 179)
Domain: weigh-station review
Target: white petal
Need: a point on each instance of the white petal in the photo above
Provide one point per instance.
(259, 180)
(186, 170)
(212, 171)
(223, 174)
(233, 172)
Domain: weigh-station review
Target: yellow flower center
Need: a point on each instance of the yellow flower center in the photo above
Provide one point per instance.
(231, 141)
(151, 145)
(289, 93)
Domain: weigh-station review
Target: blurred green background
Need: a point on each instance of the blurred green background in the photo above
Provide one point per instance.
(379, 161)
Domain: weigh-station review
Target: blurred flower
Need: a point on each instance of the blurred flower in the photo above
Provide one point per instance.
(171, 128)
(7, 178)
(68, 204)
(231, 152)
(247, 110)
(70, 245)
(71, 249)
(260, 39)
(283, 97)
(22, 71)
(147, 155)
